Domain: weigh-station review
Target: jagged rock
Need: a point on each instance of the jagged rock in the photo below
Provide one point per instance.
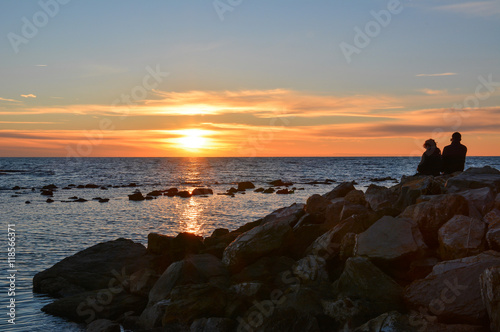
(202, 191)
(492, 217)
(194, 269)
(333, 212)
(290, 214)
(379, 197)
(97, 267)
(474, 178)
(280, 183)
(155, 193)
(452, 290)
(483, 199)
(340, 191)
(242, 186)
(91, 186)
(106, 303)
(265, 270)
(303, 237)
(391, 241)
(267, 318)
(137, 196)
(412, 187)
(433, 214)
(284, 192)
(171, 192)
(355, 209)
(378, 293)
(103, 325)
(461, 236)
(493, 236)
(188, 302)
(389, 322)
(184, 194)
(213, 324)
(311, 268)
(316, 206)
(328, 244)
(355, 197)
(490, 293)
(175, 247)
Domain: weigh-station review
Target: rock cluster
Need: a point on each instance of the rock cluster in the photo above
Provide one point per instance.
(422, 255)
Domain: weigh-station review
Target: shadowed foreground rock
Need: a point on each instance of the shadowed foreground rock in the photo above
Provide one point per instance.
(419, 256)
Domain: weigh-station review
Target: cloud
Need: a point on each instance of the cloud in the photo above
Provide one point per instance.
(433, 92)
(40, 65)
(9, 100)
(29, 96)
(476, 8)
(432, 75)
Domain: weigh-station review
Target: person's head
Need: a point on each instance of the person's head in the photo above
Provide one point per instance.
(456, 137)
(430, 144)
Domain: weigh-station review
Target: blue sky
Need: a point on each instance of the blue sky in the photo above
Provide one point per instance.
(92, 51)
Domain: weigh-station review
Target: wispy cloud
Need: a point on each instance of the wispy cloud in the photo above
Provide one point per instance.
(432, 75)
(9, 100)
(29, 96)
(40, 65)
(433, 92)
(474, 8)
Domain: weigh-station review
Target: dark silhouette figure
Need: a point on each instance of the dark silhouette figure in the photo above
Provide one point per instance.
(454, 155)
(431, 162)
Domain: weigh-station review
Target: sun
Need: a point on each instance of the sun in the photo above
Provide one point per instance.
(192, 140)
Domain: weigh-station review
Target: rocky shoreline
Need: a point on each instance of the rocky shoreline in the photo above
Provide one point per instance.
(423, 255)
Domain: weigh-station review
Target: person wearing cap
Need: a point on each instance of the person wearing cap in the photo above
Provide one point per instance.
(454, 155)
(431, 163)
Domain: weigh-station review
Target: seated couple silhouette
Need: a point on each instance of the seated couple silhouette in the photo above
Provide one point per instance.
(452, 159)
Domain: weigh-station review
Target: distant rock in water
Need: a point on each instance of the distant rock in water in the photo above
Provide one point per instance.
(202, 191)
(137, 196)
(242, 186)
(280, 183)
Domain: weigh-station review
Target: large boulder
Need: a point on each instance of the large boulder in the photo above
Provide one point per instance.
(339, 191)
(98, 304)
(103, 325)
(170, 249)
(462, 236)
(97, 267)
(474, 178)
(391, 241)
(482, 199)
(264, 270)
(277, 319)
(431, 215)
(270, 238)
(452, 290)
(291, 214)
(213, 324)
(493, 237)
(355, 197)
(362, 280)
(242, 186)
(379, 197)
(412, 187)
(333, 212)
(490, 293)
(195, 269)
(316, 206)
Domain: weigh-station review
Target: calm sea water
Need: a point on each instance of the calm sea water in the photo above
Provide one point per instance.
(47, 233)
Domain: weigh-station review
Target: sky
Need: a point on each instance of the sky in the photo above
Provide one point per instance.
(246, 78)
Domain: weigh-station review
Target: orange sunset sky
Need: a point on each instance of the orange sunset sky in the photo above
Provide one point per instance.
(287, 78)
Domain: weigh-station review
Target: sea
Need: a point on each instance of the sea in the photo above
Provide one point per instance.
(45, 233)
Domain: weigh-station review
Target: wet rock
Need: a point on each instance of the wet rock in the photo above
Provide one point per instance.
(340, 191)
(269, 238)
(213, 324)
(103, 200)
(452, 290)
(80, 200)
(202, 191)
(91, 186)
(268, 191)
(49, 200)
(259, 190)
(155, 193)
(137, 196)
(47, 193)
(379, 197)
(280, 183)
(316, 206)
(171, 192)
(462, 236)
(103, 325)
(50, 187)
(474, 178)
(97, 267)
(483, 199)
(103, 303)
(242, 186)
(27, 202)
(284, 192)
(490, 294)
(184, 194)
(392, 241)
(16, 188)
(433, 214)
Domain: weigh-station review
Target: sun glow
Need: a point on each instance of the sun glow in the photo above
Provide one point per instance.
(193, 139)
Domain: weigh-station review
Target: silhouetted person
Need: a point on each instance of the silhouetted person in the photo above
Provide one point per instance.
(454, 155)
(431, 162)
